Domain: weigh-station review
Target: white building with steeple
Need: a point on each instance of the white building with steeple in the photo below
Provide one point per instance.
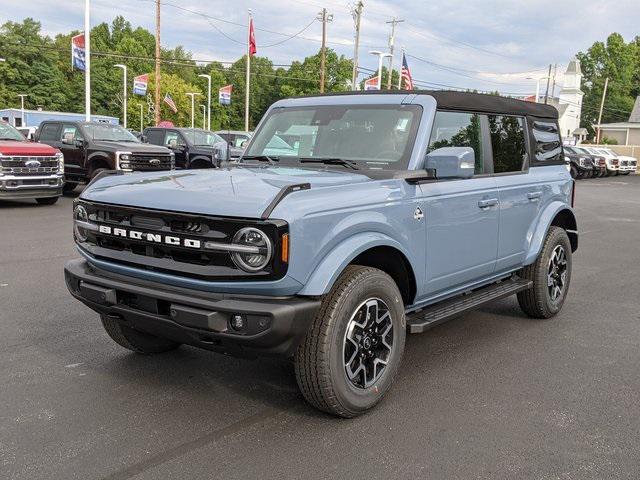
(570, 103)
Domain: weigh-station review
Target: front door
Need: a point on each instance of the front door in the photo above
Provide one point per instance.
(176, 142)
(461, 215)
(74, 153)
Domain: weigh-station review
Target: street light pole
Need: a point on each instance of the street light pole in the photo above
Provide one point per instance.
(204, 116)
(208, 77)
(124, 92)
(193, 96)
(381, 57)
(22, 95)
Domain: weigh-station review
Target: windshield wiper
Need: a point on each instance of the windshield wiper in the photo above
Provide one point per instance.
(331, 161)
(261, 158)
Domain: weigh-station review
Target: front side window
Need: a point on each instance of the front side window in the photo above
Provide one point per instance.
(372, 136)
(457, 129)
(548, 142)
(155, 137)
(508, 143)
(200, 138)
(73, 130)
(7, 132)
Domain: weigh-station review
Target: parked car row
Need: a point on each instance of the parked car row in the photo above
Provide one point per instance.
(587, 162)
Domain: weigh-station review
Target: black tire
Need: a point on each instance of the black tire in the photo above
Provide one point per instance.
(574, 172)
(135, 340)
(69, 187)
(537, 302)
(320, 366)
(47, 200)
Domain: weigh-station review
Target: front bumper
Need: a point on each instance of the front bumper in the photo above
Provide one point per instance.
(273, 325)
(17, 187)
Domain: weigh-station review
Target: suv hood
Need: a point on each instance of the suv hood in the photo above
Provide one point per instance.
(16, 147)
(130, 147)
(231, 192)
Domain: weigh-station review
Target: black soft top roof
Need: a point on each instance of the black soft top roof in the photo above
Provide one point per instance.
(474, 102)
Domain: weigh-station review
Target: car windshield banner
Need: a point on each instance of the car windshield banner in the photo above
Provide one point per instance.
(140, 84)
(78, 52)
(224, 95)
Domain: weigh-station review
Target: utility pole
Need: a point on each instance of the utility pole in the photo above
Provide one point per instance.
(553, 89)
(392, 39)
(157, 92)
(546, 94)
(193, 118)
(604, 94)
(324, 18)
(357, 16)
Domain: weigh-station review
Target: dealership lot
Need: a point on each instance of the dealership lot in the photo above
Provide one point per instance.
(491, 394)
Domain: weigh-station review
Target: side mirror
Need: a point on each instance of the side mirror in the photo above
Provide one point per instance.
(78, 143)
(452, 162)
(173, 143)
(242, 143)
(144, 139)
(67, 138)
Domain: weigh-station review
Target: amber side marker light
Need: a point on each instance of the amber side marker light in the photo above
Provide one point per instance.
(285, 248)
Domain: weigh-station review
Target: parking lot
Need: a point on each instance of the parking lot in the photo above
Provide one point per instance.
(491, 394)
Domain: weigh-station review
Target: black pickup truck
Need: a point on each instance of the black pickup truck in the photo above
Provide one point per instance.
(91, 147)
(193, 147)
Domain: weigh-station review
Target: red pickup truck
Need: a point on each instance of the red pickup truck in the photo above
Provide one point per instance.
(28, 169)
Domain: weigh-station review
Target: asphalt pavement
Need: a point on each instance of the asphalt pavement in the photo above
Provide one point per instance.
(491, 394)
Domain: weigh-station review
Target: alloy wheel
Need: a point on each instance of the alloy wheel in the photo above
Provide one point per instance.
(557, 273)
(368, 343)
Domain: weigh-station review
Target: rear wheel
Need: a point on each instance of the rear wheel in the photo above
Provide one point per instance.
(550, 274)
(135, 340)
(47, 200)
(69, 187)
(354, 347)
(574, 172)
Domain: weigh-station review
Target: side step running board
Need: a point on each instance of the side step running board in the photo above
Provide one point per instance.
(428, 317)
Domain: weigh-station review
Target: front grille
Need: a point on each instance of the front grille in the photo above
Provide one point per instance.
(151, 162)
(175, 259)
(23, 165)
(624, 163)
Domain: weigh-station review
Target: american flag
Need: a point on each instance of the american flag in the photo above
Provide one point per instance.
(169, 101)
(406, 74)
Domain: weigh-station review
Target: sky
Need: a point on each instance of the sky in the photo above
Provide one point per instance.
(485, 45)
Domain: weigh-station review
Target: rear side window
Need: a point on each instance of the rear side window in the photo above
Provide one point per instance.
(548, 142)
(155, 136)
(49, 132)
(458, 129)
(508, 143)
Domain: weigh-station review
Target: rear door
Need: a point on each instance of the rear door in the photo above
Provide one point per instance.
(461, 215)
(521, 192)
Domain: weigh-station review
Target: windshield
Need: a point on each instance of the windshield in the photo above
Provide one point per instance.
(7, 132)
(373, 136)
(109, 132)
(200, 137)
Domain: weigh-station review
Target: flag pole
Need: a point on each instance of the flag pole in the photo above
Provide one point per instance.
(248, 79)
(87, 61)
(401, 67)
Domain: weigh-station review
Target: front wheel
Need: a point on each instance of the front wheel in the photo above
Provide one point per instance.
(353, 350)
(550, 274)
(47, 200)
(573, 171)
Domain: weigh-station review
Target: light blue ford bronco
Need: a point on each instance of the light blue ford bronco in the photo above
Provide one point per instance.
(350, 220)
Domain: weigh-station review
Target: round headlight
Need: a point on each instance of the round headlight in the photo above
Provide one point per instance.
(258, 249)
(80, 215)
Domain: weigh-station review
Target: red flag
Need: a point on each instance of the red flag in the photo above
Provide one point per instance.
(253, 49)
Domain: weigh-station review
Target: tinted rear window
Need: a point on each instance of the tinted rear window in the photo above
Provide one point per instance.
(548, 142)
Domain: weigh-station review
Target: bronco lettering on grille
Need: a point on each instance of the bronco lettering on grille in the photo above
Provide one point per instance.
(150, 237)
